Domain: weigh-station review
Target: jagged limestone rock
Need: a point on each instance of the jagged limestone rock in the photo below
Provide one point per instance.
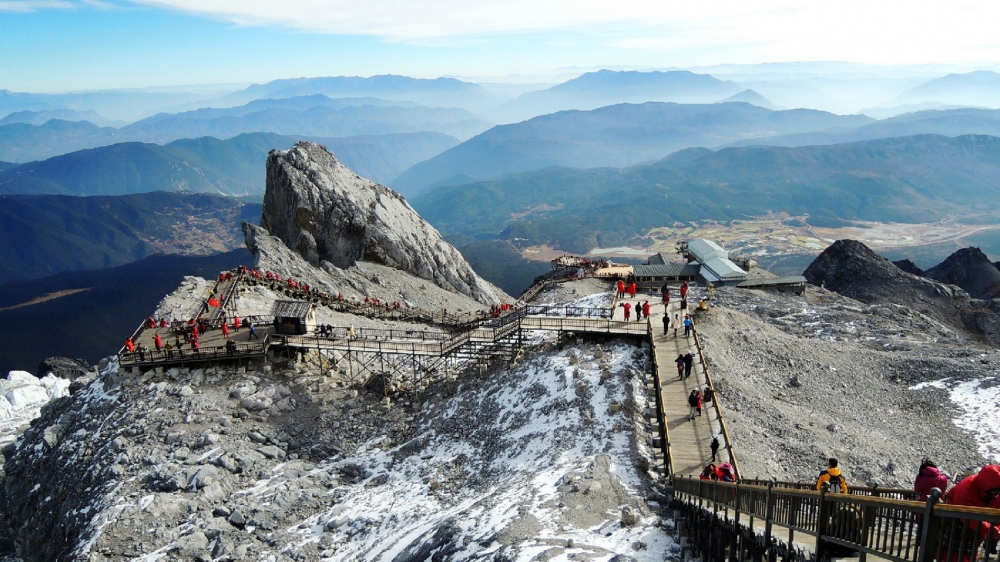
(327, 213)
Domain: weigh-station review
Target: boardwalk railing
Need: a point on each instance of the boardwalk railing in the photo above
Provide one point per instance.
(668, 459)
(715, 403)
(864, 522)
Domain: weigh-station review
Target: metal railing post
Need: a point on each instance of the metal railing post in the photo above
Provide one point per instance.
(930, 529)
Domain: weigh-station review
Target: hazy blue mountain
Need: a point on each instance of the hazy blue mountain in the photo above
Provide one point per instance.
(609, 87)
(23, 142)
(980, 88)
(7, 165)
(50, 234)
(437, 92)
(88, 324)
(947, 122)
(317, 116)
(619, 135)
(232, 167)
(127, 105)
(42, 117)
(910, 179)
(751, 97)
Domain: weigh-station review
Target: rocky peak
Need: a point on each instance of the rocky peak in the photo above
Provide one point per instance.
(908, 266)
(332, 217)
(970, 269)
(848, 264)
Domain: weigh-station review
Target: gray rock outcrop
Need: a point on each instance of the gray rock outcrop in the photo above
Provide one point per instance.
(970, 269)
(852, 269)
(330, 215)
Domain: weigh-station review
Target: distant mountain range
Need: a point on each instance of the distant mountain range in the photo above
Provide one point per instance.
(619, 135)
(437, 92)
(910, 179)
(314, 115)
(980, 88)
(231, 167)
(47, 235)
(306, 117)
(609, 87)
(947, 122)
(38, 118)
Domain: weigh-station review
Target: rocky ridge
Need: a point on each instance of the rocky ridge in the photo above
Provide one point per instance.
(850, 268)
(329, 214)
(970, 269)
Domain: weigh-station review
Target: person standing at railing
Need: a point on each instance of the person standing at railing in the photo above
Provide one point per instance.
(929, 477)
(129, 344)
(979, 490)
(688, 325)
(832, 474)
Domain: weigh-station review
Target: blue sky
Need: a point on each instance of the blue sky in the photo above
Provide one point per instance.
(63, 45)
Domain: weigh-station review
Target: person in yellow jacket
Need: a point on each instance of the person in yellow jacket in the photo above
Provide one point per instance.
(834, 477)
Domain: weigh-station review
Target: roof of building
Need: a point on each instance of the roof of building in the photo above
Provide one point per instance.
(703, 249)
(772, 281)
(657, 259)
(666, 270)
(291, 309)
(724, 269)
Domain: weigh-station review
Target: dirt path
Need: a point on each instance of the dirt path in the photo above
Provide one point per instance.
(47, 297)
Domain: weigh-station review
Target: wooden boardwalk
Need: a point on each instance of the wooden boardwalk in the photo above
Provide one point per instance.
(689, 440)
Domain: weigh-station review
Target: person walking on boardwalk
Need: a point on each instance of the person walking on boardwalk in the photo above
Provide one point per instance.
(225, 329)
(621, 289)
(628, 311)
(832, 475)
(666, 322)
(631, 289)
(129, 344)
(638, 312)
(253, 332)
(677, 322)
(236, 322)
(700, 403)
(645, 308)
(665, 293)
(714, 445)
(680, 366)
(688, 325)
(688, 364)
(693, 400)
(684, 290)
(158, 342)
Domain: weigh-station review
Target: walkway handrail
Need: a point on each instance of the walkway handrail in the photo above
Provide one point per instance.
(715, 401)
(878, 491)
(891, 529)
(668, 458)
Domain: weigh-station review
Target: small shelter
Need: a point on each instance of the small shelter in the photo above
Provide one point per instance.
(294, 317)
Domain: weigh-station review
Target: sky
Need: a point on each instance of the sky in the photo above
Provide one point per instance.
(67, 45)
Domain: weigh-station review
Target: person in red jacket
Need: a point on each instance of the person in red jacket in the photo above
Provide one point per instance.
(631, 289)
(621, 288)
(645, 308)
(979, 490)
(929, 477)
(684, 290)
(225, 330)
(158, 342)
(129, 345)
(628, 311)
